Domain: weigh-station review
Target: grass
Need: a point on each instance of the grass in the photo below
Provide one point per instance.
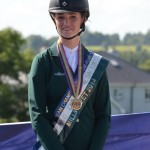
(146, 47)
(95, 48)
(119, 48)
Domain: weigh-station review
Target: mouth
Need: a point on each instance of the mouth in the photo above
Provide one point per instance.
(66, 29)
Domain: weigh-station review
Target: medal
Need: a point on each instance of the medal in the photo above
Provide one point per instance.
(75, 85)
(76, 104)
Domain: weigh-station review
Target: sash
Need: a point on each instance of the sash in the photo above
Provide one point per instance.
(94, 66)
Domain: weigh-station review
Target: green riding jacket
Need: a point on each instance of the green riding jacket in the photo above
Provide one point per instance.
(47, 85)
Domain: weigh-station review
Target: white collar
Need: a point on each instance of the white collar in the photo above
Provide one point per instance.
(69, 50)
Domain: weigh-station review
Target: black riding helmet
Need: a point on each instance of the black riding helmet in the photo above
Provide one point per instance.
(60, 6)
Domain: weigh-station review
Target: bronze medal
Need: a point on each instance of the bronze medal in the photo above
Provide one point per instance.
(76, 104)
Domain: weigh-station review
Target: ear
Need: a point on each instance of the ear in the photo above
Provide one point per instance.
(82, 26)
(84, 19)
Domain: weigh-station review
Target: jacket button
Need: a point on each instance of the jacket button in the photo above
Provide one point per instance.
(77, 120)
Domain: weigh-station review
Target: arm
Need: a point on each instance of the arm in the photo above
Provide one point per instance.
(102, 109)
(37, 95)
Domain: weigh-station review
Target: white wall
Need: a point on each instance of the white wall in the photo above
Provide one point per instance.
(130, 98)
(140, 104)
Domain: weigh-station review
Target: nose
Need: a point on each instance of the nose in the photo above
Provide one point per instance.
(65, 22)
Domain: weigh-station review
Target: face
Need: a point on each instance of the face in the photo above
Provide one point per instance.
(68, 24)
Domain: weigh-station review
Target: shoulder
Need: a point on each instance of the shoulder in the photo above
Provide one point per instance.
(40, 57)
(103, 60)
(45, 54)
(38, 62)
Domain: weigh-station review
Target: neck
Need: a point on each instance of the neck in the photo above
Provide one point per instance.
(69, 43)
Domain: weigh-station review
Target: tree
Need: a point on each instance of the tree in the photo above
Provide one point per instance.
(35, 42)
(145, 65)
(10, 42)
(13, 90)
(147, 38)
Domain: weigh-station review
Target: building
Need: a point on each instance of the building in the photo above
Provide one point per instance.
(129, 86)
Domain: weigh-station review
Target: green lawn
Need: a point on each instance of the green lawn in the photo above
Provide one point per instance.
(119, 48)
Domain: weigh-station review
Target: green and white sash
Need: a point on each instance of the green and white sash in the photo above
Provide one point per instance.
(66, 115)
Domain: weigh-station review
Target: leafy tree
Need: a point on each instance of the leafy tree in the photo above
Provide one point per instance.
(113, 39)
(96, 38)
(138, 58)
(13, 90)
(147, 38)
(127, 40)
(145, 65)
(10, 42)
(37, 42)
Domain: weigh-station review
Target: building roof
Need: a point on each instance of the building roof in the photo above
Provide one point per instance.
(122, 72)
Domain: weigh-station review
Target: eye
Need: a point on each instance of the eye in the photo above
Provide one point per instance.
(60, 17)
(73, 17)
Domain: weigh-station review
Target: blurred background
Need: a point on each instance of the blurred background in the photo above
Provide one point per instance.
(118, 30)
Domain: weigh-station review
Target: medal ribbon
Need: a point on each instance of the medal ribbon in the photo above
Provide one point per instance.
(74, 85)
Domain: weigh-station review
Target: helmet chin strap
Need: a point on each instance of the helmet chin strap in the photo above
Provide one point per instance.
(69, 38)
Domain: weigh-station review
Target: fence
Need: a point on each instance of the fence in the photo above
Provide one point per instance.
(127, 132)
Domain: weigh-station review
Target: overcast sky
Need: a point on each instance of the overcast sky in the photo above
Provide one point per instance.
(107, 16)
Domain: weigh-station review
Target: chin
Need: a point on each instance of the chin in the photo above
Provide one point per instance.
(68, 35)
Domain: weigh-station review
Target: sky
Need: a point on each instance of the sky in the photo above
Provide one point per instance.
(31, 17)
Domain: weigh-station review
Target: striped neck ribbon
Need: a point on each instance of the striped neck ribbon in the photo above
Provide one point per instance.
(75, 84)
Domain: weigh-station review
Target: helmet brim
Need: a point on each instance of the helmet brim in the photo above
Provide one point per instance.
(63, 10)
(60, 11)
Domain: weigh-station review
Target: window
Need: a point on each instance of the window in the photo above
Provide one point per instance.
(118, 94)
(147, 95)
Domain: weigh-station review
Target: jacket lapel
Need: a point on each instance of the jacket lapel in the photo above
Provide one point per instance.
(54, 53)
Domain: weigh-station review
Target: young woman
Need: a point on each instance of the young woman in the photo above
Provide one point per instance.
(68, 91)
